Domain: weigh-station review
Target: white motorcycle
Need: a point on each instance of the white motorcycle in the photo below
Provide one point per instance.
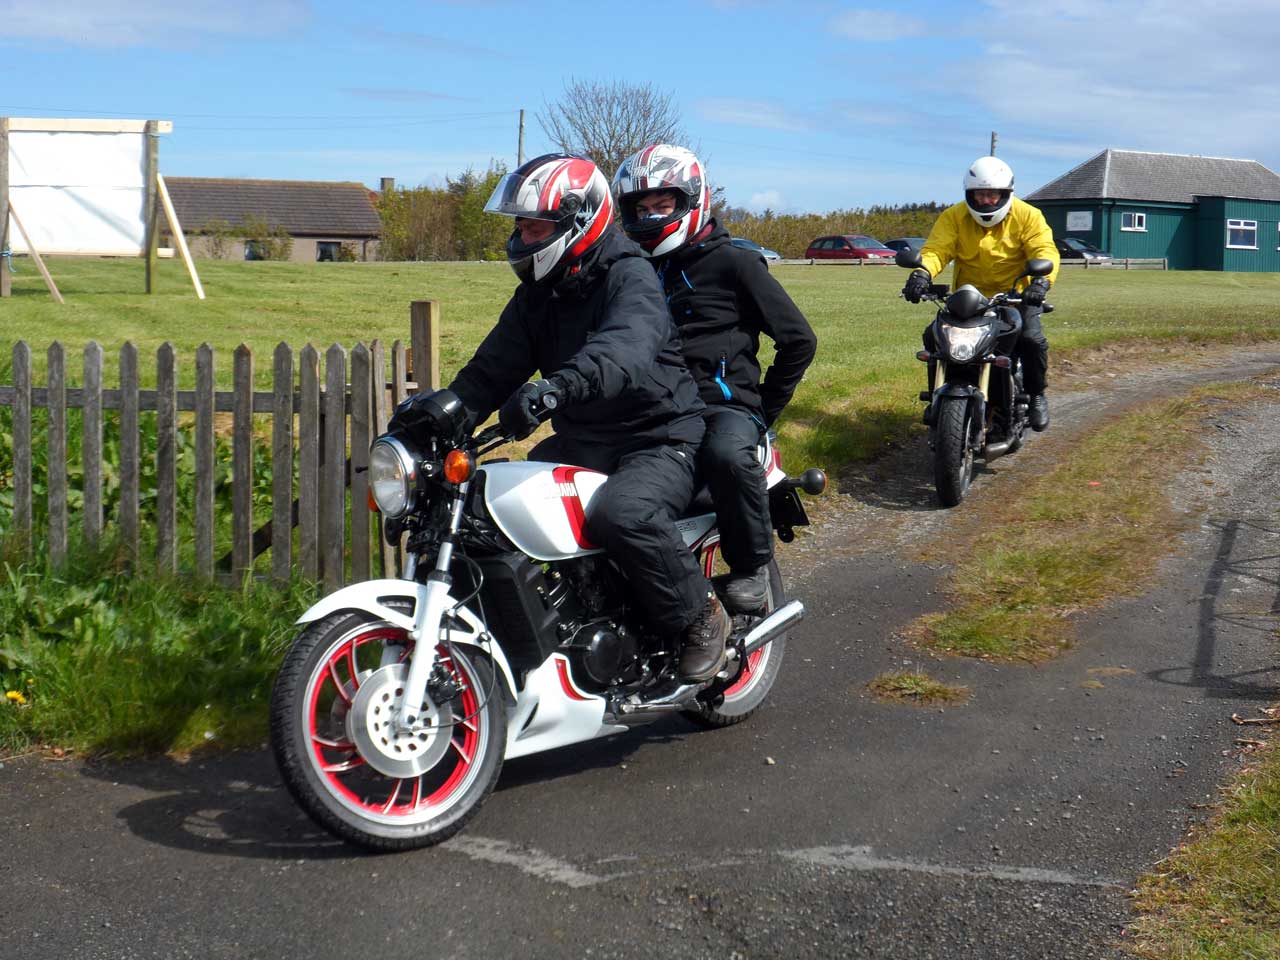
(509, 634)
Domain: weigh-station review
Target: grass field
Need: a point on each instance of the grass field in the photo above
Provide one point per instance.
(858, 395)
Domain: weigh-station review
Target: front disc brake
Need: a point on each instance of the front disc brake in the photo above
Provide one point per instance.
(373, 726)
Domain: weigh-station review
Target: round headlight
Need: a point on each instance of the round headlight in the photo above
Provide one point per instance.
(962, 342)
(393, 477)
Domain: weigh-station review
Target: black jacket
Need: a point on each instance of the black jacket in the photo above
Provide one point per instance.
(606, 333)
(722, 298)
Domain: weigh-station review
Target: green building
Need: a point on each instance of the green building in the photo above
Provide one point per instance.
(1201, 213)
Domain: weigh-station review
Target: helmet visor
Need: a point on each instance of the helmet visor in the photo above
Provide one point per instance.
(516, 195)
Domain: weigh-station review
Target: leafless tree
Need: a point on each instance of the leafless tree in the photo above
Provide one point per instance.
(607, 122)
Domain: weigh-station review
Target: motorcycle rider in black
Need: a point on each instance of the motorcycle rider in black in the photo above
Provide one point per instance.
(721, 298)
(589, 316)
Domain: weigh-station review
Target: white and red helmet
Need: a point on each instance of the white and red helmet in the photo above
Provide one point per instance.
(663, 167)
(572, 193)
(988, 173)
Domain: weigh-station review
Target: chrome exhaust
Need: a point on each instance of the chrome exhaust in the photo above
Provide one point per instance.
(771, 626)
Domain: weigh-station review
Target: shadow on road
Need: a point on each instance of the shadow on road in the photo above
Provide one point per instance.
(1214, 620)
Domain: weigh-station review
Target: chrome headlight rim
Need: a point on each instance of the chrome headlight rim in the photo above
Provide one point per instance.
(406, 465)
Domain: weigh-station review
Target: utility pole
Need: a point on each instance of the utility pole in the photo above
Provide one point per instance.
(520, 143)
(994, 138)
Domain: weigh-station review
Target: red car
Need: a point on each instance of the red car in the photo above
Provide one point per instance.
(849, 247)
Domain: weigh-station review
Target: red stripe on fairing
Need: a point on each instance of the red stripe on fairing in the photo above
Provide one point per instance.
(566, 684)
(563, 476)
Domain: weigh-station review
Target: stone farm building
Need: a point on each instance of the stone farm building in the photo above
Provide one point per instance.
(1201, 213)
(327, 221)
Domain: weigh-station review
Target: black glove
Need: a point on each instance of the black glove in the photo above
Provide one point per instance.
(529, 406)
(1035, 293)
(917, 286)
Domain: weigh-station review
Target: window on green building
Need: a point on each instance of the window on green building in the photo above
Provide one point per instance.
(1133, 221)
(1242, 234)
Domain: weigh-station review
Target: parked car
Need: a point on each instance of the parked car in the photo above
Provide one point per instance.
(1073, 248)
(905, 243)
(848, 247)
(769, 255)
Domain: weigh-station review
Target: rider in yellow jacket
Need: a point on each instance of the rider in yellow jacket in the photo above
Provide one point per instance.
(991, 236)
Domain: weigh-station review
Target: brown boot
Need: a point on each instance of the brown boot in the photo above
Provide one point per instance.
(703, 654)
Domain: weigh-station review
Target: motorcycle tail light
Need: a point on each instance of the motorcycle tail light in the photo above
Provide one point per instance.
(458, 466)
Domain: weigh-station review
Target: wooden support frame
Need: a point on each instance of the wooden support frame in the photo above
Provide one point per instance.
(178, 237)
(6, 278)
(35, 256)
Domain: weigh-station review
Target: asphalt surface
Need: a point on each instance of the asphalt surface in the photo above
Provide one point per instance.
(827, 825)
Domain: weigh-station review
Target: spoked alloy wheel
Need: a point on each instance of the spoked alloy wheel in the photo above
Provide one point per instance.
(952, 452)
(347, 763)
(742, 693)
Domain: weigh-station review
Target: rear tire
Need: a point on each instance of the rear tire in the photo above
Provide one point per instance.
(412, 790)
(741, 694)
(952, 453)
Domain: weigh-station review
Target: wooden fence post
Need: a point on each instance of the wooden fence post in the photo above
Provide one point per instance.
(129, 442)
(166, 458)
(361, 436)
(378, 360)
(91, 442)
(333, 486)
(309, 462)
(242, 464)
(57, 466)
(282, 465)
(424, 332)
(22, 441)
(204, 449)
(151, 208)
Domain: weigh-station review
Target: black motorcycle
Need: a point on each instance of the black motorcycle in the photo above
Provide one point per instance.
(972, 412)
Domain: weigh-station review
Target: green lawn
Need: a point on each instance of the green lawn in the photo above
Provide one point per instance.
(859, 394)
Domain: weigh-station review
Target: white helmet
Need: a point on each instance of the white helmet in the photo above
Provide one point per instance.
(568, 191)
(989, 173)
(663, 167)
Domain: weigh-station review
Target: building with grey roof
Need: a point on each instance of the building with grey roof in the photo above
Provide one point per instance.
(1201, 213)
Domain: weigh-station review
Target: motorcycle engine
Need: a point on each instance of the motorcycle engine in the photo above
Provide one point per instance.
(605, 652)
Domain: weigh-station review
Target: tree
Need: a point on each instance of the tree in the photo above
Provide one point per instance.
(607, 122)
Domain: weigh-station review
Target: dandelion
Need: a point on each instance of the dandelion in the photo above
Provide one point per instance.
(15, 696)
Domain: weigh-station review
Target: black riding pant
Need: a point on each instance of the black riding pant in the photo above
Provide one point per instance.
(727, 464)
(1032, 348)
(633, 518)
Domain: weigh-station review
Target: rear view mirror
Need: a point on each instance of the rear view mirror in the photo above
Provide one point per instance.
(907, 257)
(1039, 268)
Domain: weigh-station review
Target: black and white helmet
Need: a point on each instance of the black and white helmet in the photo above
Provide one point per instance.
(989, 173)
(572, 193)
(663, 167)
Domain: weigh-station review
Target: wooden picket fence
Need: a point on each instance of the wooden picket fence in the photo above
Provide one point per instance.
(314, 414)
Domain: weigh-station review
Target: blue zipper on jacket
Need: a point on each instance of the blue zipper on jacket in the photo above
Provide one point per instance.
(724, 387)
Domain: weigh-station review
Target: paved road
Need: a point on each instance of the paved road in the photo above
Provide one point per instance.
(829, 825)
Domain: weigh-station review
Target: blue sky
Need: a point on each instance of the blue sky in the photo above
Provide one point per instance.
(798, 107)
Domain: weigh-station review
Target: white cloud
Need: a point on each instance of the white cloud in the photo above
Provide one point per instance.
(749, 113)
(139, 23)
(766, 200)
(877, 26)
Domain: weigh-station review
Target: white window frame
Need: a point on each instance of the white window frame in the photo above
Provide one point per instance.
(1139, 221)
(1242, 225)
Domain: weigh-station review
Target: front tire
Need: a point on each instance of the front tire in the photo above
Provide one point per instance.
(952, 452)
(352, 772)
(742, 693)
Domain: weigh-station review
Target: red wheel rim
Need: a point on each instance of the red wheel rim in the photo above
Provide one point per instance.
(335, 758)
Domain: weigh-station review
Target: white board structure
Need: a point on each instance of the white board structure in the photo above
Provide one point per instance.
(80, 186)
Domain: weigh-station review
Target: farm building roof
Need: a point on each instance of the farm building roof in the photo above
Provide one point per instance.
(1161, 178)
(303, 208)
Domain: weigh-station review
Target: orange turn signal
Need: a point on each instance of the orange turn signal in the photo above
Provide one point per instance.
(373, 504)
(458, 466)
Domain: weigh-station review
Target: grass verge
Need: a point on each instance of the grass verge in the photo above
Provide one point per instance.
(1090, 529)
(1217, 897)
(916, 688)
(99, 659)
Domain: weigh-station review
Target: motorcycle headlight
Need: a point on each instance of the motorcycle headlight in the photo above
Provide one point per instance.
(962, 342)
(393, 477)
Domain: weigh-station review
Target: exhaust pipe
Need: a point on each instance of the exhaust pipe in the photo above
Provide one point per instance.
(993, 450)
(771, 626)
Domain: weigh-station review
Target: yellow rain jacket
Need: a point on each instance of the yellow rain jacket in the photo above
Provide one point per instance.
(990, 258)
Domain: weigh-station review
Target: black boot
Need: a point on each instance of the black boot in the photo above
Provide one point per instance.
(1039, 412)
(746, 592)
(703, 654)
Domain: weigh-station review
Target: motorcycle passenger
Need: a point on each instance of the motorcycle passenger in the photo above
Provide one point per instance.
(588, 315)
(991, 236)
(722, 298)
